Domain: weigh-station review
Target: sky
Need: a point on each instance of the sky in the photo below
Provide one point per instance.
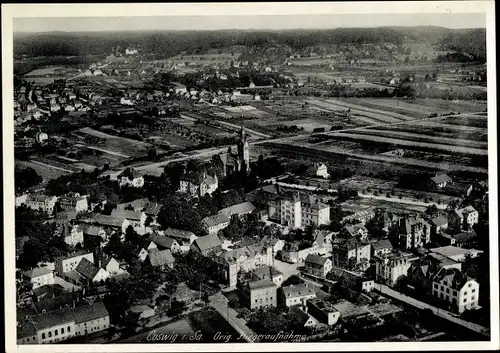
(97, 24)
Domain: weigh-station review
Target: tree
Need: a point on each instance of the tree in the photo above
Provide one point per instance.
(432, 211)
(292, 280)
(26, 178)
(131, 235)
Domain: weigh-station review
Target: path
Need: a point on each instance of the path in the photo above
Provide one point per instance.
(220, 303)
(52, 166)
(438, 312)
(396, 199)
(250, 131)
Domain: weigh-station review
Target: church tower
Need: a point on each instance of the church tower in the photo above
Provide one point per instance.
(243, 151)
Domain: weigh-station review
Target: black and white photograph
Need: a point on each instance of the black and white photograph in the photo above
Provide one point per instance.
(202, 177)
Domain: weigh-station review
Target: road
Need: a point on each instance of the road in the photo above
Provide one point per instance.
(438, 312)
(220, 303)
(395, 199)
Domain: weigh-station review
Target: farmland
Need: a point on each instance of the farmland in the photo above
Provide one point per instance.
(432, 128)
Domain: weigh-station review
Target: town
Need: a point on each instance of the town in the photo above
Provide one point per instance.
(329, 186)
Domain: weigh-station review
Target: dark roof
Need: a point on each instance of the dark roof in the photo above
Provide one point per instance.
(216, 219)
(109, 221)
(439, 221)
(298, 290)
(382, 244)
(87, 269)
(316, 259)
(262, 283)
(153, 209)
(465, 236)
(56, 303)
(160, 257)
(130, 173)
(163, 241)
(207, 242)
(178, 233)
(49, 291)
(299, 316)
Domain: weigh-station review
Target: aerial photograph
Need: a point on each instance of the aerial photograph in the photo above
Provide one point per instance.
(251, 179)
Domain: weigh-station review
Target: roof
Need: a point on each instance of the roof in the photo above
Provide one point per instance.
(264, 271)
(87, 269)
(452, 277)
(350, 244)
(40, 198)
(207, 242)
(241, 208)
(37, 271)
(298, 290)
(465, 236)
(92, 230)
(439, 221)
(468, 209)
(106, 260)
(441, 178)
(353, 229)
(136, 204)
(163, 241)
(215, 220)
(140, 308)
(49, 290)
(56, 303)
(130, 173)
(73, 255)
(299, 316)
(261, 283)
(132, 215)
(109, 221)
(178, 233)
(160, 257)
(153, 209)
(450, 251)
(322, 305)
(316, 259)
(382, 244)
(406, 224)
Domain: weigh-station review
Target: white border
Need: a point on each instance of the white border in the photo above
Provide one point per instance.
(221, 9)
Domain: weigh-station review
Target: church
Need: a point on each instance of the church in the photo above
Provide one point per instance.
(239, 161)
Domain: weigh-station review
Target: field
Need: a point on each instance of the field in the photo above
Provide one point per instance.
(45, 170)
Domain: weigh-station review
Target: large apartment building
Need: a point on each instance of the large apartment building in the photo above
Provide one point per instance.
(297, 210)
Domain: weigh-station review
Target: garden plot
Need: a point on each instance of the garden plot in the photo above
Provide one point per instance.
(453, 105)
(448, 131)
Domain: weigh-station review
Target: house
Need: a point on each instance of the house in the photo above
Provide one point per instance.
(72, 235)
(63, 324)
(39, 276)
(136, 205)
(94, 231)
(439, 181)
(179, 88)
(459, 189)
(142, 311)
(142, 255)
(259, 294)
(198, 186)
(243, 258)
(184, 238)
(73, 202)
(413, 232)
(438, 224)
(213, 224)
(462, 219)
(302, 318)
(238, 209)
(421, 272)
(323, 311)
(351, 280)
(48, 291)
(390, 268)
(113, 223)
(130, 177)
(465, 240)
(295, 253)
(358, 231)
(457, 289)
(152, 210)
(209, 244)
(297, 210)
(381, 247)
(111, 265)
(269, 272)
(297, 294)
(90, 272)
(317, 266)
(136, 219)
(160, 258)
(41, 203)
(69, 263)
(349, 253)
(275, 243)
(165, 243)
(318, 169)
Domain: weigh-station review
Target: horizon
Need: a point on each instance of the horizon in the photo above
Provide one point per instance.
(451, 21)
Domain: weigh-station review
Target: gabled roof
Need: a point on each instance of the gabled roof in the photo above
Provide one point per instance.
(136, 204)
(87, 269)
(161, 257)
(262, 283)
(109, 221)
(382, 244)
(132, 215)
(92, 230)
(466, 210)
(298, 290)
(178, 233)
(316, 259)
(37, 271)
(163, 241)
(215, 220)
(207, 242)
(153, 209)
(441, 178)
(241, 208)
(439, 221)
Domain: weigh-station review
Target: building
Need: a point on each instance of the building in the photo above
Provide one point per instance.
(463, 219)
(318, 170)
(90, 272)
(60, 325)
(41, 203)
(439, 181)
(422, 272)
(297, 210)
(269, 272)
(294, 253)
(142, 311)
(69, 263)
(160, 258)
(136, 205)
(351, 280)
(165, 243)
(136, 219)
(238, 209)
(200, 185)
(460, 291)
(358, 231)
(73, 202)
(179, 88)
(455, 253)
(297, 294)
(184, 238)
(111, 265)
(438, 224)
(303, 318)
(323, 311)
(381, 248)
(389, 269)
(317, 266)
(214, 224)
(130, 177)
(244, 258)
(207, 245)
(39, 276)
(349, 253)
(94, 231)
(413, 232)
(114, 223)
(465, 240)
(259, 294)
(72, 235)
